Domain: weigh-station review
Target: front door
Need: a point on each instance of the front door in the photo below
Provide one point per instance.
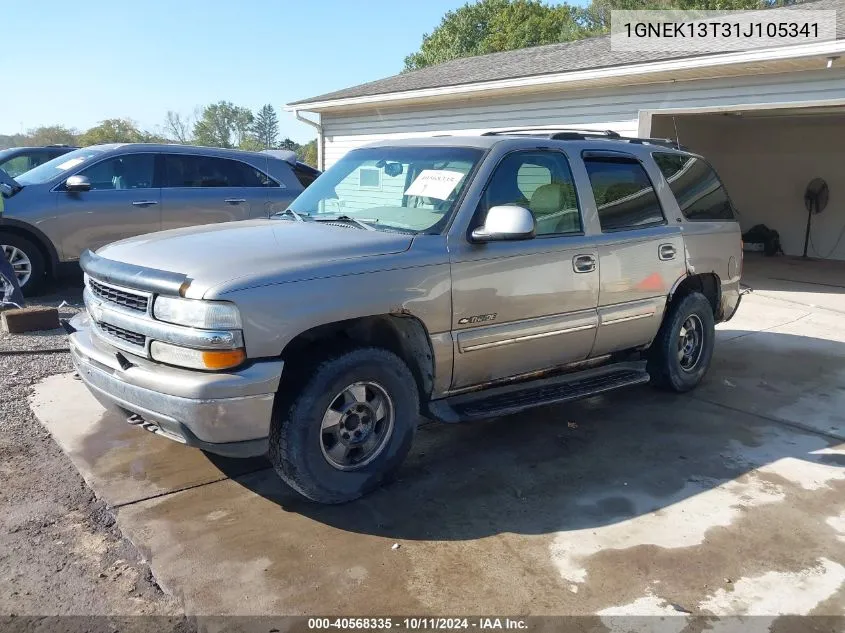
(640, 254)
(529, 305)
(206, 189)
(122, 203)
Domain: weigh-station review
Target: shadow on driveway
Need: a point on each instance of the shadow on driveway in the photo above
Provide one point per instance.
(598, 461)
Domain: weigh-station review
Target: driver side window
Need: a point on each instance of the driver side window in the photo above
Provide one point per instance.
(540, 181)
(133, 171)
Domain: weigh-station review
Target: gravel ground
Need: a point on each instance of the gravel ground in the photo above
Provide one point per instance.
(61, 552)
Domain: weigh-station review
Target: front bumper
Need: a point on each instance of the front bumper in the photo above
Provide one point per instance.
(225, 413)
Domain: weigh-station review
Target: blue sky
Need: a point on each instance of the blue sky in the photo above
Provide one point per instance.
(76, 64)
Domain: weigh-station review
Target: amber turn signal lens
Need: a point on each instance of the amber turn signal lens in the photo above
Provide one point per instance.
(223, 359)
(196, 358)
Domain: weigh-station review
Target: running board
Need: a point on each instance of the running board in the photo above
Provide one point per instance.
(518, 397)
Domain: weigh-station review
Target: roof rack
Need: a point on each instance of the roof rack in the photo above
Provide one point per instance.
(561, 132)
(573, 134)
(665, 142)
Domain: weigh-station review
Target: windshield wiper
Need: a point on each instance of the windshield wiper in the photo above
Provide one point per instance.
(298, 217)
(345, 218)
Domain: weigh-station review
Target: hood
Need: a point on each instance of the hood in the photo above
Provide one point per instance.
(253, 252)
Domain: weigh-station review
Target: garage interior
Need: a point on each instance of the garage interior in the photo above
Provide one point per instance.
(766, 159)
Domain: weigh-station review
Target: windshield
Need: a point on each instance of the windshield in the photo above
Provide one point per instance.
(408, 189)
(58, 166)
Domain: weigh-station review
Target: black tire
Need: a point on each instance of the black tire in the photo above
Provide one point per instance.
(296, 438)
(665, 366)
(38, 267)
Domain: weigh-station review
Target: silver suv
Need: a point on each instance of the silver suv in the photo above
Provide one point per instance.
(458, 278)
(95, 195)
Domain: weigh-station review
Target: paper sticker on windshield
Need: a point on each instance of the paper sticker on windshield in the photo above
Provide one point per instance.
(73, 162)
(435, 183)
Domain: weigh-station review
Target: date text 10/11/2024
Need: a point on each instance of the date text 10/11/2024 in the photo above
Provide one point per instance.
(419, 624)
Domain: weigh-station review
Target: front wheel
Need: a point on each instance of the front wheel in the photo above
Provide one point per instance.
(681, 352)
(348, 426)
(26, 260)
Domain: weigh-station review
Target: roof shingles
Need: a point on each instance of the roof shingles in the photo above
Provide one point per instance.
(583, 54)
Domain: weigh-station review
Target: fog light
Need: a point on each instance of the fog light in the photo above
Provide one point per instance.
(197, 358)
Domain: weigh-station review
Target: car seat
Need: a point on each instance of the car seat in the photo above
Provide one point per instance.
(554, 208)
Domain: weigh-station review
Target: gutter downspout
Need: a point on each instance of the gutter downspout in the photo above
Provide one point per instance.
(319, 127)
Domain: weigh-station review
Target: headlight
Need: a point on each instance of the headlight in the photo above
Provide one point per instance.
(208, 315)
(214, 359)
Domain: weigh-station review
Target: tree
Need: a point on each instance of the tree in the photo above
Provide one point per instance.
(595, 18)
(307, 153)
(266, 127)
(179, 128)
(524, 23)
(13, 140)
(223, 124)
(51, 135)
(251, 143)
(114, 131)
(289, 145)
(461, 33)
(491, 26)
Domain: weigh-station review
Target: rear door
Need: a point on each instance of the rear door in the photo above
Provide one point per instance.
(200, 189)
(640, 254)
(124, 201)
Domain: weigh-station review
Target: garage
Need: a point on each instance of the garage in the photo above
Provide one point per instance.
(767, 157)
(770, 120)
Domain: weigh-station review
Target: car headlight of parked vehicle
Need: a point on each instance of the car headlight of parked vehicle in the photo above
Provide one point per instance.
(206, 315)
(224, 348)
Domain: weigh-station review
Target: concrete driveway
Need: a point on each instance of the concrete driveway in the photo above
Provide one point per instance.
(726, 501)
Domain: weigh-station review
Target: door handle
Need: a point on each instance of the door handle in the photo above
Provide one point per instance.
(235, 200)
(666, 252)
(583, 263)
(144, 203)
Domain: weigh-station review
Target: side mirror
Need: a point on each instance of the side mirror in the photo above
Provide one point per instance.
(506, 222)
(78, 183)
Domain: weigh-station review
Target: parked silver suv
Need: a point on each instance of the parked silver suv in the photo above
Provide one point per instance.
(95, 195)
(460, 278)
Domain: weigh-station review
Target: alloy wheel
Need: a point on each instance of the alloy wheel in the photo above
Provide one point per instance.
(690, 343)
(357, 426)
(20, 262)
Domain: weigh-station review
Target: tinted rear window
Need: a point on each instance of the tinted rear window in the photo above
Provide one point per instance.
(624, 195)
(186, 170)
(305, 174)
(697, 188)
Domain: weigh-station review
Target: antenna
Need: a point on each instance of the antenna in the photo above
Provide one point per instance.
(677, 137)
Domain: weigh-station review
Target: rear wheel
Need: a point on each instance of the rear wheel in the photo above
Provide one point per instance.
(681, 353)
(346, 427)
(26, 260)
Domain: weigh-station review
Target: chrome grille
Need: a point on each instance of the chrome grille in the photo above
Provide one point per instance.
(124, 298)
(124, 335)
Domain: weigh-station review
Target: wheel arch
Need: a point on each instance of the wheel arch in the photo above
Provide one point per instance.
(37, 237)
(404, 335)
(708, 284)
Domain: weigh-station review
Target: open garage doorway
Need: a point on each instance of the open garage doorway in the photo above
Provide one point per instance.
(766, 158)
